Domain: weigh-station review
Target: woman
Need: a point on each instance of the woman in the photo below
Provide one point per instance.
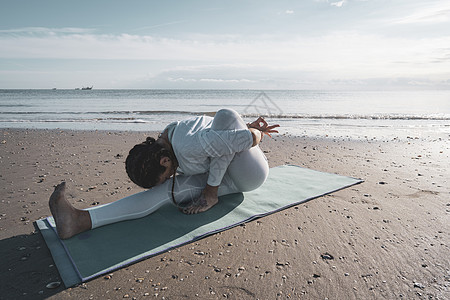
(213, 156)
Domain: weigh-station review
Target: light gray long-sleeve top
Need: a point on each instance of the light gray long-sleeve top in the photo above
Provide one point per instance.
(200, 149)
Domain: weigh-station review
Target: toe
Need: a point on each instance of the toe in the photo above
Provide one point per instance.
(187, 210)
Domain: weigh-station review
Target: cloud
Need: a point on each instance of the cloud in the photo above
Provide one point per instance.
(215, 80)
(338, 4)
(181, 79)
(219, 58)
(436, 14)
(214, 73)
(46, 31)
(339, 52)
(289, 12)
(159, 25)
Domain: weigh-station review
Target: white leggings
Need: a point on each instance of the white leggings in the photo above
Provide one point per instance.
(247, 171)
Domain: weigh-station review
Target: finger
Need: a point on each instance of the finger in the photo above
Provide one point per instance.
(268, 132)
(269, 129)
(273, 126)
(257, 121)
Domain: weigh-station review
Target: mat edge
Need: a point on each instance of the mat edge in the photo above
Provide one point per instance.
(70, 276)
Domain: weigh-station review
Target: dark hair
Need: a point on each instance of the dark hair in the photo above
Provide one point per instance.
(143, 163)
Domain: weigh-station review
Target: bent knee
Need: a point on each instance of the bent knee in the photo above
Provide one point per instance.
(253, 181)
(227, 119)
(226, 113)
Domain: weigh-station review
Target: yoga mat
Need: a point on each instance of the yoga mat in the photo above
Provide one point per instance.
(104, 249)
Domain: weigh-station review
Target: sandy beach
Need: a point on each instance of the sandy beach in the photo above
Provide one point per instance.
(387, 238)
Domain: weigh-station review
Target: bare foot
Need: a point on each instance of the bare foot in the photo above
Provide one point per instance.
(69, 220)
(200, 205)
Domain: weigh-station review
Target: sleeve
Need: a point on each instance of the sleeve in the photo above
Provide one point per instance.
(225, 142)
(217, 168)
(221, 145)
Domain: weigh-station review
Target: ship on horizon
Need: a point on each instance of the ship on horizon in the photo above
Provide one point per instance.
(84, 88)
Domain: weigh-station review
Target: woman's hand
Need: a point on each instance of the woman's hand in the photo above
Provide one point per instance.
(262, 126)
(207, 199)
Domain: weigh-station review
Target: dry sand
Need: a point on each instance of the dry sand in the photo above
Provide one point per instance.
(386, 238)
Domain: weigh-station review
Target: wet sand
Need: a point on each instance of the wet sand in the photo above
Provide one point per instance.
(387, 238)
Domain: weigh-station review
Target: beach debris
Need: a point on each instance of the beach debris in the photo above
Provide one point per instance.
(382, 182)
(107, 277)
(316, 276)
(285, 243)
(53, 285)
(419, 285)
(326, 256)
(280, 264)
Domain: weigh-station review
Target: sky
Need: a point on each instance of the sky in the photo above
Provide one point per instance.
(219, 44)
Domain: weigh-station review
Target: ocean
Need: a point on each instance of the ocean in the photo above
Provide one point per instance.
(341, 114)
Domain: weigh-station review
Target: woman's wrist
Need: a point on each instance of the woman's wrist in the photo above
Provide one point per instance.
(256, 135)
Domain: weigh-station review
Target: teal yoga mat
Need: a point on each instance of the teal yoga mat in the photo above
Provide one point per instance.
(110, 247)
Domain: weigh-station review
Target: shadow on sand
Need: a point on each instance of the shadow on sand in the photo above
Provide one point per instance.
(26, 267)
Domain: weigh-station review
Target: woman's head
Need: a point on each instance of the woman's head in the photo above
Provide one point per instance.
(147, 162)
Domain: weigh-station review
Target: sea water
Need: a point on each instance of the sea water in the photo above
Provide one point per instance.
(344, 114)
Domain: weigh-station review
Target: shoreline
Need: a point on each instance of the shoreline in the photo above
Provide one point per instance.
(394, 136)
(388, 236)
